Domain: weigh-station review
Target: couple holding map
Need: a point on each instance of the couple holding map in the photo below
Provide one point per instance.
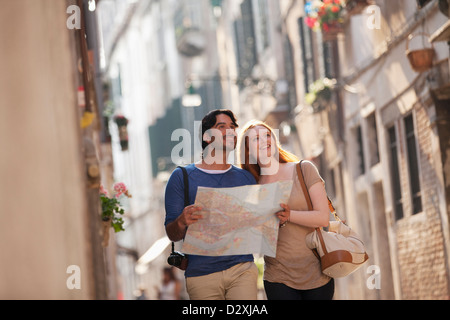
(256, 208)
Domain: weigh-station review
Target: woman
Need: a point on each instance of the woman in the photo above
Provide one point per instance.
(295, 273)
(170, 288)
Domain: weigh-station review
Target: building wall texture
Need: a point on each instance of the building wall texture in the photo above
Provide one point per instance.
(420, 238)
(42, 193)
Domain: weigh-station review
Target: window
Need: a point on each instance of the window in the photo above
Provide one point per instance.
(413, 165)
(395, 174)
(245, 41)
(372, 140)
(308, 53)
(264, 34)
(330, 69)
(360, 151)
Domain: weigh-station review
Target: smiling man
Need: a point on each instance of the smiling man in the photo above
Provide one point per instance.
(211, 278)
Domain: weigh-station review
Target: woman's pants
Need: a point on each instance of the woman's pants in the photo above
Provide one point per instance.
(280, 291)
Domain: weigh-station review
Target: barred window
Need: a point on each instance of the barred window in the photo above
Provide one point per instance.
(413, 165)
(395, 174)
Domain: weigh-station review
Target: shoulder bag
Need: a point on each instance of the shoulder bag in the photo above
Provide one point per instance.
(340, 250)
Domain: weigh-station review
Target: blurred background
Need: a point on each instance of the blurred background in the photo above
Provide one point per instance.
(92, 90)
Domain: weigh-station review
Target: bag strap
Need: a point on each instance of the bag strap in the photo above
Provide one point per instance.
(186, 193)
(308, 199)
(186, 186)
(303, 184)
(301, 178)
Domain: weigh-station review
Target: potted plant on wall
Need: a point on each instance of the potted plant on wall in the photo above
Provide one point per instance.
(325, 16)
(112, 210)
(122, 124)
(320, 93)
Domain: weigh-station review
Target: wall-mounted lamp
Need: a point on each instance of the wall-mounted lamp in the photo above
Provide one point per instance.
(190, 98)
(92, 5)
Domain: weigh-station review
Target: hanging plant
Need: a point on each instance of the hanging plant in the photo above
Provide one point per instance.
(122, 123)
(421, 59)
(320, 93)
(120, 120)
(112, 210)
(325, 15)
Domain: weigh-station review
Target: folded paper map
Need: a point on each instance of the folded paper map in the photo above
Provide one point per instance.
(238, 220)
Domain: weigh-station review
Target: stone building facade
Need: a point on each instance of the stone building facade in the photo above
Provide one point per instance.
(381, 141)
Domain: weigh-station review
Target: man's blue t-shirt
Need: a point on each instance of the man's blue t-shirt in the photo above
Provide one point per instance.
(174, 203)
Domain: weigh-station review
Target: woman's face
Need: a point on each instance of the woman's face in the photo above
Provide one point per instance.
(262, 145)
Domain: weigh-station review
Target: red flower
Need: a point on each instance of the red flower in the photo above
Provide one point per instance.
(322, 11)
(335, 9)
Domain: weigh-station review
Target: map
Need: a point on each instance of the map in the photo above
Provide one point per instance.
(239, 220)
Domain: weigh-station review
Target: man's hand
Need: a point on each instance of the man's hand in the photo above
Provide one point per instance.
(189, 216)
(176, 230)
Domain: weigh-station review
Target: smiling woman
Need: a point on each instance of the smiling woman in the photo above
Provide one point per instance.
(294, 274)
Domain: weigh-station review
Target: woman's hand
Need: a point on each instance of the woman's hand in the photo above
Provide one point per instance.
(284, 215)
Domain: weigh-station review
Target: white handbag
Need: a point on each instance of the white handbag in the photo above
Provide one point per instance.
(340, 250)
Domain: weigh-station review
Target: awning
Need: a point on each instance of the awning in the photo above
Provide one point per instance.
(151, 254)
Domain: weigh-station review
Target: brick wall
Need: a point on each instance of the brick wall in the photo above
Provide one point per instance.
(420, 241)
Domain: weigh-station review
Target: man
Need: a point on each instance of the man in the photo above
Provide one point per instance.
(224, 277)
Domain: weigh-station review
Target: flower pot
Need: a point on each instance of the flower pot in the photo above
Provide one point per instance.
(320, 104)
(422, 59)
(106, 226)
(123, 137)
(331, 31)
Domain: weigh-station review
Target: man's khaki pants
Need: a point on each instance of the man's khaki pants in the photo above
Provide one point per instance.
(235, 283)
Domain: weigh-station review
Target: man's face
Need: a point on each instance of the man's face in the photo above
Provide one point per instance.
(222, 134)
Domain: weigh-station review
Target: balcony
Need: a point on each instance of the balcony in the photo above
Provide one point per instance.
(189, 25)
(442, 90)
(191, 42)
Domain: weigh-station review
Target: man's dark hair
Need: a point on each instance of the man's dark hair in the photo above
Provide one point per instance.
(210, 120)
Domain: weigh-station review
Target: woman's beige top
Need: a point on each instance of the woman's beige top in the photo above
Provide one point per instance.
(295, 265)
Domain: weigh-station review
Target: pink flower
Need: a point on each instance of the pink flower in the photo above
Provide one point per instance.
(103, 191)
(310, 22)
(120, 188)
